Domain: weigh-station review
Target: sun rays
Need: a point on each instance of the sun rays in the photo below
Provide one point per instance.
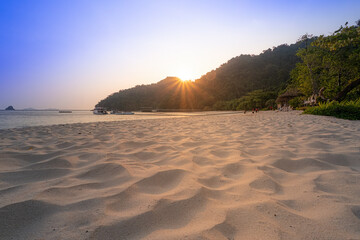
(186, 92)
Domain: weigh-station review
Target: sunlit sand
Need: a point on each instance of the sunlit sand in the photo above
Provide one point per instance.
(270, 175)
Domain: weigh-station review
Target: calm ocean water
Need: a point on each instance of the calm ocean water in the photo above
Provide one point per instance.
(18, 119)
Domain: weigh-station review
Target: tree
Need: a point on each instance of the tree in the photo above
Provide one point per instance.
(330, 64)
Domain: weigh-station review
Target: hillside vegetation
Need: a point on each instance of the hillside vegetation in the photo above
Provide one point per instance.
(323, 70)
(329, 74)
(268, 71)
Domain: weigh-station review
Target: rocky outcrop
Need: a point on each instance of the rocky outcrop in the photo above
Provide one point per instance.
(11, 108)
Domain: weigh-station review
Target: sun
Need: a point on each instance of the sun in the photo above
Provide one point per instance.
(186, 75)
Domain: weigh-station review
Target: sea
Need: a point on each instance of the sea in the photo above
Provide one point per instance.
(19, 119)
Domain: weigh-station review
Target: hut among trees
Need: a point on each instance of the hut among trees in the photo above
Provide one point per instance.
(282, 100)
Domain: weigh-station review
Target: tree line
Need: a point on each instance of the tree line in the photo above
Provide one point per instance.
(329, 68)
(326, 67)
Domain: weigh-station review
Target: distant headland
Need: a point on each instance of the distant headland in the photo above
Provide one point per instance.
(10, 108)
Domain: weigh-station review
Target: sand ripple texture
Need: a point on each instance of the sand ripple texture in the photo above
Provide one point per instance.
(269, 175)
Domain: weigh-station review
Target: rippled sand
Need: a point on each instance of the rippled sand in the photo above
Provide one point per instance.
(270, 175)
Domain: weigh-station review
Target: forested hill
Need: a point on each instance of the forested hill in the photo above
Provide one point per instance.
(269, 70)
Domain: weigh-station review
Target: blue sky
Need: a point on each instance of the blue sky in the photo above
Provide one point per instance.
(70, 54)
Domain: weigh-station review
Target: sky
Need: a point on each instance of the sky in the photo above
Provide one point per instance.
(70, 54)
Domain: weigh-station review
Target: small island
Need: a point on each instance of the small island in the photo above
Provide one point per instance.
(10, 108)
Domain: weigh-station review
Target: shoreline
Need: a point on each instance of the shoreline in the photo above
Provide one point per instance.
(149, 116)
(256, 176)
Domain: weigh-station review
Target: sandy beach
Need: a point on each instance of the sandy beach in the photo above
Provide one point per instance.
(270, 175)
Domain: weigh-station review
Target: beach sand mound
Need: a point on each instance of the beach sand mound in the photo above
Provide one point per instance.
(269, 175)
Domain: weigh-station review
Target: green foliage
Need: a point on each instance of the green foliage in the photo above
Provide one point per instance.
(354, 94)
(221, 105)
(302, 108)
(271, 103)
(296, 102)
(243, 74)
(346, 110)
(255, 99)
(329, 62)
